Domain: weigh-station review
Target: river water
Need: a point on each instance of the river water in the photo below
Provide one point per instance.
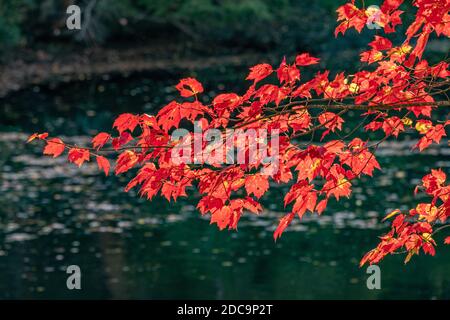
(53, 214)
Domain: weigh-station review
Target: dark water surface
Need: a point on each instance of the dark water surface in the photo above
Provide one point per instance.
(53, 214)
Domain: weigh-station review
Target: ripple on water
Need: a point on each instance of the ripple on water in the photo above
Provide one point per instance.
(19, 237)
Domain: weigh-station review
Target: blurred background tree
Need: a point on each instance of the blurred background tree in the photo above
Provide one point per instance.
(147, 30)
(12, 15)
(245, 23)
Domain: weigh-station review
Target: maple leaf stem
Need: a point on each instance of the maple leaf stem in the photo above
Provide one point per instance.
(440, 229)
(364, 107)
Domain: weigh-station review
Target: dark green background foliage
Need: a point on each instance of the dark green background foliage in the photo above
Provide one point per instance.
(12, 14)
(243, 22)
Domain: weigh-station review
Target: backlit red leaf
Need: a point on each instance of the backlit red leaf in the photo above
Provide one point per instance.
(78, 156)
(189, 87)
(55, 147)
(103, 164)
(100, 140)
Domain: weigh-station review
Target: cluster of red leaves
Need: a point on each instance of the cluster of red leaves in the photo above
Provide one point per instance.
(413, 231)
(432, 16)
(396, 94)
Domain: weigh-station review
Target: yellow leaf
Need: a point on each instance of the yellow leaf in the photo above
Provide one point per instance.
(409, 256)
(353, 88)
(390, 215)
(407, 121)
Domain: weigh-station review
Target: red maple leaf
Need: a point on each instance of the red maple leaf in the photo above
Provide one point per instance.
(78, 156)
(189, 87)
(169, 116)
(227, 101)
(40, 136)
(287, 73)
(100, 140)
(305, 59)
(330, 121)
(259, 72)
(256, 184)
(337, 183)
(103, 164)
(222, 217)
(209, 204)
(380, 43)
(126, 161)
(283, 224)
(126, 121)
(54, 147)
